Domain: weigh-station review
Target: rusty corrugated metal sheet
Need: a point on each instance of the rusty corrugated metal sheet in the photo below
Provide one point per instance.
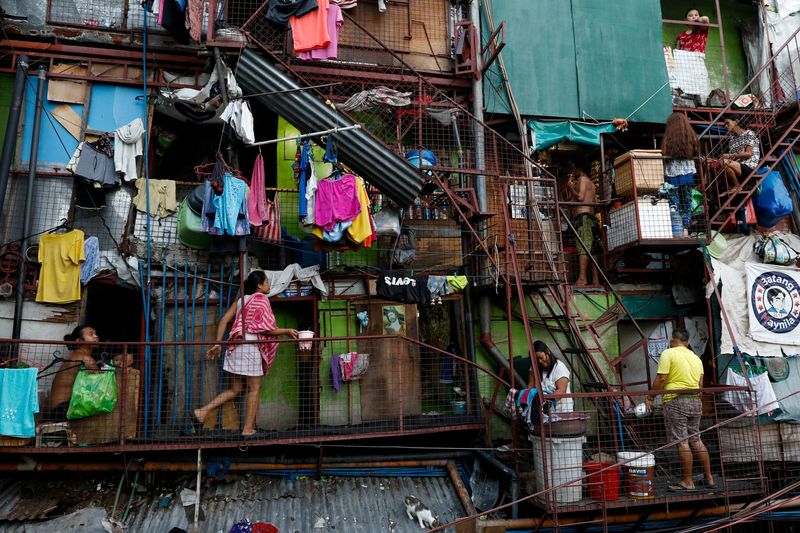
(340, 504)
(336, 504)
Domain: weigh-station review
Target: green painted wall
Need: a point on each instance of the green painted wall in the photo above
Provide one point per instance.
(6, 89)
(343, 407)
(732, 14)
(589, 306)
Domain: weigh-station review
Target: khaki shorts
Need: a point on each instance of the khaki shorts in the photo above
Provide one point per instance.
(682, 418)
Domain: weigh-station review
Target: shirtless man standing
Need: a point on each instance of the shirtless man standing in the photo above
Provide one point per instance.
(585, 222)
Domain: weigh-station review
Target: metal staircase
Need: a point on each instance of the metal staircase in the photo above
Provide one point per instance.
(774, 118)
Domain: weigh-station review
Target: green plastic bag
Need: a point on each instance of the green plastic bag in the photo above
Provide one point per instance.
(93, 393)
(697, 201)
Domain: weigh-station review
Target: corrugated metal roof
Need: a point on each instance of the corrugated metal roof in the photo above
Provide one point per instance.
(336, 504)
(355, 148)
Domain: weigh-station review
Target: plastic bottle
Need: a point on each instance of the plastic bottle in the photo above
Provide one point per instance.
(677, 223)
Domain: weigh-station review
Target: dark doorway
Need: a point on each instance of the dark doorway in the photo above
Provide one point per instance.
(114, 311)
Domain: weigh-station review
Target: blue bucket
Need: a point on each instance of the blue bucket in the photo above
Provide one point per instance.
(421, 158)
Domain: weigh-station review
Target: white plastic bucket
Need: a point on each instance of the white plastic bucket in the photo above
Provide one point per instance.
(564, 463)
(638, 474)
(305, 346)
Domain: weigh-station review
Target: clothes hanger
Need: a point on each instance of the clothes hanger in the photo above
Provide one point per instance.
(65, 225)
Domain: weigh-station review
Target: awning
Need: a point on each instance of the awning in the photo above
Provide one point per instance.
(357, 149)
(550, 133)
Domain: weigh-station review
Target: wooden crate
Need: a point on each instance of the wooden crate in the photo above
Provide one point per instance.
(645, 168)
(105, 428)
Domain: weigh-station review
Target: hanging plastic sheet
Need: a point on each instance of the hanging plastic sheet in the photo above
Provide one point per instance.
(546, 134)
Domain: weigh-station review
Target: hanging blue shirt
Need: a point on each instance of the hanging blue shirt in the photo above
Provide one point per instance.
(302, 176)
(19, 401)
(91, 249)
(231, 208)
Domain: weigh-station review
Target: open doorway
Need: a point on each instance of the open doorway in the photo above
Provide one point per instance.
(114, 311)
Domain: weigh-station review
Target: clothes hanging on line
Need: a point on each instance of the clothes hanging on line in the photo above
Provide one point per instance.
(94, 166)
(60, 256)
(764, 399)
(336, 201)
(279, 11)
(163, 202)
(194, 19)
(303, 159)
(310, 196)
(335, 20)
(362, 230)
(172, 18)
(397, 286)
(128, 144)
(19, 401)
(345, 4)
(226, 213)
(91, 250)
(257, 205)
(366, 100)
(240, 118)
(270, 229)
(310, 31)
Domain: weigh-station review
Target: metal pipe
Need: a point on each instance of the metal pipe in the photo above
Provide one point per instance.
(512, 476)
(162, 466)
(10, 142)
(477, 112)
(485, 318)
(26, 221)
(461, 489)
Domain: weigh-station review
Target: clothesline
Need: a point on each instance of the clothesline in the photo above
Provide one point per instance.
(307, 135)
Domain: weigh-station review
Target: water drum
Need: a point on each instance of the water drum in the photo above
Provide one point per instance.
(603, 486)
(639, 474)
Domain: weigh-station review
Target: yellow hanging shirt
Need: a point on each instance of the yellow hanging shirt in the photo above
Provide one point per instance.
(60, 255)
(361, 228)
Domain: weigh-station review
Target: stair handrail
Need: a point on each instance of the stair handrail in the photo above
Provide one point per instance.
(755, 77)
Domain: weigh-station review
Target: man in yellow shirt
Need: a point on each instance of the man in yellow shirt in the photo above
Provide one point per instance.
(680, 369)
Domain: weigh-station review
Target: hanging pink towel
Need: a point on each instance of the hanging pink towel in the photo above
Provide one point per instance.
(257, 207)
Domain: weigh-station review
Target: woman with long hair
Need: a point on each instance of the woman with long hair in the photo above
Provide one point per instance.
(247, 363)
(681, 146)
(554, 374)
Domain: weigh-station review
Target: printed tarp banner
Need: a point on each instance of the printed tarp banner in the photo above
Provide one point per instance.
(773, 300)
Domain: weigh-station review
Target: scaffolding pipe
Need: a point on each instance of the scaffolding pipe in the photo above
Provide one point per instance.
(19, 301)
(10, 142)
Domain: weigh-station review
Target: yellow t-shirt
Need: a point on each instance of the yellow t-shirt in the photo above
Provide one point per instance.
(60, 255)
(361, 227)
(683, 369)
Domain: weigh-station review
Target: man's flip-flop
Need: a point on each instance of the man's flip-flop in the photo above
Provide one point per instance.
(677, 487)
(705, 485)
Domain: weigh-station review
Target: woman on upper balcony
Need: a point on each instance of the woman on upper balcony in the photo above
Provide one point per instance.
(744, 152)
(681, 147)
(694, 38)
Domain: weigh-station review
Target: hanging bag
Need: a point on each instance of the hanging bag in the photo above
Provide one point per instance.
(404, 248)
(93, 393)
(387, 222)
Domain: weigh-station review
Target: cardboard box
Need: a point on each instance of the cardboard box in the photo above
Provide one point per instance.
(644, 168)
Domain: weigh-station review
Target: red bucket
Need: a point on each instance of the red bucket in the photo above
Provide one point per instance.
(603, 486)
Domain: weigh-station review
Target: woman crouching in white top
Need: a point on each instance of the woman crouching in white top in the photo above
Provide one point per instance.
(554, 374)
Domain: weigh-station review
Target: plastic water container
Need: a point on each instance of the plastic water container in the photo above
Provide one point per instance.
(603, 486)
(677, 222)
(639, 474)
(564, 463)
(421, 158)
